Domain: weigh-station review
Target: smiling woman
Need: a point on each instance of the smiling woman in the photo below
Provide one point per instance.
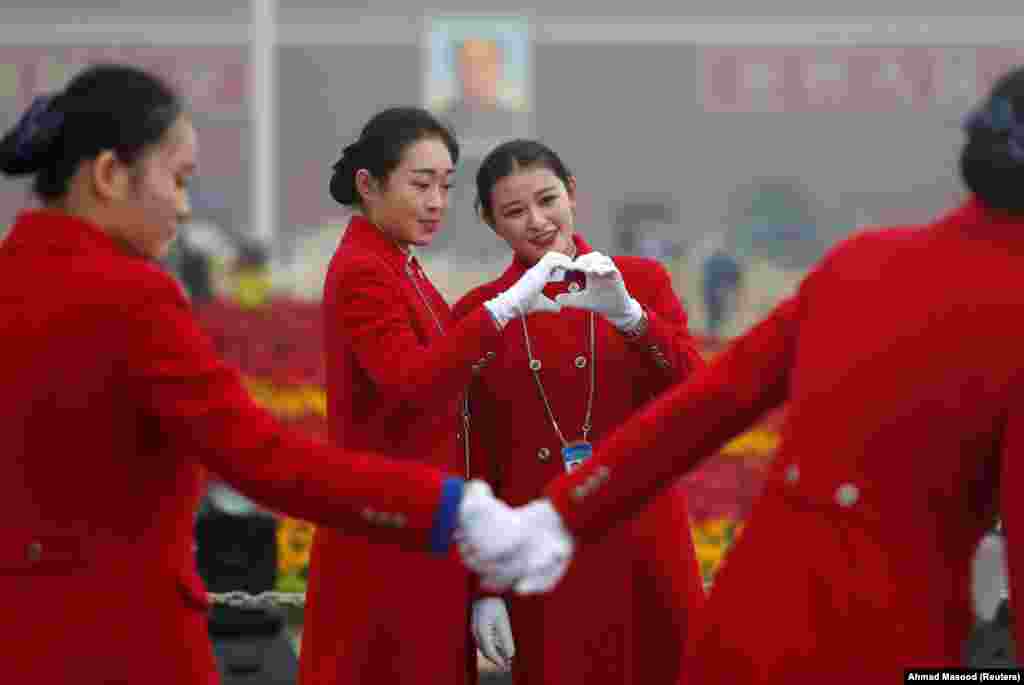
(569, 380)
(528, 197)
(399, 182)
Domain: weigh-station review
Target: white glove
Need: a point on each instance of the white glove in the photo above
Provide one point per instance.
(527, 547)
(493, 631)
(552, 548)
(491, 535)
(526, 295)
(605, 292)
(988, 576)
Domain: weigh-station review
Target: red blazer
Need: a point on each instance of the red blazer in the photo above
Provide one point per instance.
(394, 384)
(114, 405)
(620, 615)
(905, 400)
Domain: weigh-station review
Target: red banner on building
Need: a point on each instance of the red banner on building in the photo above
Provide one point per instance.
(848, 78)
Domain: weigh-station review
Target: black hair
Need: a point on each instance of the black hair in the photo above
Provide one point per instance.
(992, 159)
(381, 145)
(105, 107)
(509, 158)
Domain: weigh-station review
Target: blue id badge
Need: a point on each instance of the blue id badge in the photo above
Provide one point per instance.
(575, 453)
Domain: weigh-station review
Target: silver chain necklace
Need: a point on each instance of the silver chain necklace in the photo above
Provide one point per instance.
(440, 328)
(535, 367)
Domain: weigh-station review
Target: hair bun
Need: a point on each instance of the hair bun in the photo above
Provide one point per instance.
(992, 160)
(343, 183)
(28, 147)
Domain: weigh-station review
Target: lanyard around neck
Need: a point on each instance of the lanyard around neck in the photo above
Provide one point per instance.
(410, 271)
(535, 367)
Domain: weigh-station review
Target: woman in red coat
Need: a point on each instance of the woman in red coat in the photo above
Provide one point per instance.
(903, 441)
(397, 369)
(115, 404)
(562, 381)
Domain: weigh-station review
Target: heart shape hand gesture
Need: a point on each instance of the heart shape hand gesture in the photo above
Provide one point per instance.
(604, 291)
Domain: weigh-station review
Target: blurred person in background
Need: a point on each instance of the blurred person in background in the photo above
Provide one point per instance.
(721, 283)
(903, 441)
(116, 406)
(560, 382)
(397, 368)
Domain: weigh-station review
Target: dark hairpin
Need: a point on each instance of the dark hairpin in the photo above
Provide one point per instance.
(998, 116)
(39, 124)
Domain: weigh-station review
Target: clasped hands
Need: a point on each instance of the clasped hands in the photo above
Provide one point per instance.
(604, 293)
(525, 548)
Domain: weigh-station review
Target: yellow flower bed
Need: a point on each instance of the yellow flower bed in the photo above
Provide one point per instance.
(302, 400)
(294, 540)
(711, 540)
(289, 402)
(758, 443)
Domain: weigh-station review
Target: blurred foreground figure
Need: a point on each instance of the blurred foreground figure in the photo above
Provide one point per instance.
(116, 405)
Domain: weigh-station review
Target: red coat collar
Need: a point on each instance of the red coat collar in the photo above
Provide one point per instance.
(363, 233)
(974, 213)
(56, 231)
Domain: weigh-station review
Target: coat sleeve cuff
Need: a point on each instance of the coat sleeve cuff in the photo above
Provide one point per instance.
(447, 515)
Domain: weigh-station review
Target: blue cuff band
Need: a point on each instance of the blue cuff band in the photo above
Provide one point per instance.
(446, 516)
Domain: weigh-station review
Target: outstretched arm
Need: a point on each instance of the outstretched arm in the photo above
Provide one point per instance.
(679, 429)
(364, 300)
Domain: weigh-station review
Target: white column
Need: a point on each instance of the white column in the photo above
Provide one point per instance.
(263, 122)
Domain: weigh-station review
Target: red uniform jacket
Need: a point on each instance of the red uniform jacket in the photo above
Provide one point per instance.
(900, 357)
(620, 615)
(394, 384)
(114, 406)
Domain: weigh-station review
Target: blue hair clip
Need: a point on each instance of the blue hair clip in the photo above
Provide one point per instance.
(1016, 144)
(40, 123)
(999, 117)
